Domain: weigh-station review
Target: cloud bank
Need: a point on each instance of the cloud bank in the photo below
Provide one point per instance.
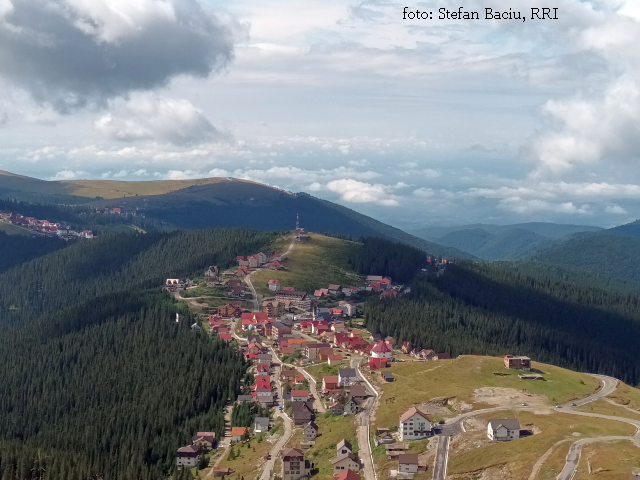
(68, 53)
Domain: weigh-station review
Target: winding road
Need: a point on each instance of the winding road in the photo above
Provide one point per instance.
(455, 426)
(364, 419)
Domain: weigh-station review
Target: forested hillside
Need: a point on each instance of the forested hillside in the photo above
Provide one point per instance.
(15, 250)
(605, 253)
(378, 256)
(98, 379)
(485, 308)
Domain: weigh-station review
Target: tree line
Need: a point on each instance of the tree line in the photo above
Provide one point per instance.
(494, 309)
(98, 378)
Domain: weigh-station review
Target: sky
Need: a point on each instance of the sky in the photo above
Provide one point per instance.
(414, 122)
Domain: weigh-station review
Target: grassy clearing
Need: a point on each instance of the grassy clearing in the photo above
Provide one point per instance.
(519, 456)
(312, 265)
(606, 408)
(114, 189)
(322, 370)
(626, 395)
(555, 463)
(608, 461)
(10, 229)
(459, 378)
(331, 431)
(249, 457)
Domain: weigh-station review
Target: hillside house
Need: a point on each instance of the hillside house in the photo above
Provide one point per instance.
(358, 392)
(301, 413)
(337, 408)
(288, 376)
(330, 383)
(265, 401)
(310, 431)
(253, 261)
(278, 329)
(299, 395)
(204, 440)
(226, 337)
(272, 308)
(350, 407)
(347, 461)
(298, 300)
(263, 368)
(245, 399)
(299, 380)
(229, 311)
(287, 350)
(274, 285)
(427, 355)
(390, 341)
(333, 289)
(348, 307)
(408, 463)
(239, 433)
(517, 362)
(187, 457)
(212, 276)
(334, 360)
(503, 430)
(373, 278)
(264, 358)
(242, 271)
(344, 447)
(347, 475)
(260, 424)
(382, 351)
(406, 347)
(294, 466)
(414, 425)
(311, 350)
(346, 377)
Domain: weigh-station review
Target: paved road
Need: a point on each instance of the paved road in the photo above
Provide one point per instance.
(455, 425)
(288, 423)
(442, 457)
(312, 386)
(364, 419)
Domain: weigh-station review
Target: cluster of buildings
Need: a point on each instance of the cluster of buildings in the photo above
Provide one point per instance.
(189, 456)
(44, 226)
(258, 260)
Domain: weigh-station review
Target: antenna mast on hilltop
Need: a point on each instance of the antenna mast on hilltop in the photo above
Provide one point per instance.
(297, 221)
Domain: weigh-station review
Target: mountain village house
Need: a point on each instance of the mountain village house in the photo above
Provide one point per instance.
(414, 425)
(503, 430)
(294, 466)
(520, 363)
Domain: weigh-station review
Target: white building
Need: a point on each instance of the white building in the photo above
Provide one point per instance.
(503, 430)
(382, 350)
(187, 456)
(414, 425)
(274, 285)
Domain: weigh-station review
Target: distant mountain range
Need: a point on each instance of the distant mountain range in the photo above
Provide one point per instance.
(214, 203)
(502, 242)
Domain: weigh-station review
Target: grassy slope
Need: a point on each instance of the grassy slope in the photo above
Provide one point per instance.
(609, 461)
(249, 457)
(331, 430)
(519, 456)
(10, 229)
(313, 265)
(459, 378)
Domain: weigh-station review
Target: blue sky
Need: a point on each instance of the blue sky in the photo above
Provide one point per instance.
(413, 122)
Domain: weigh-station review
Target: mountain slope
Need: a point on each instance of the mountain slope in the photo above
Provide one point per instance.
(98, 378)
(496, 308)
(545, 229)
(606, 253)
(508, 245)
(218, 203)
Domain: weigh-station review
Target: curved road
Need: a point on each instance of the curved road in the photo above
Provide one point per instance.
(364, 419)
(455, 426)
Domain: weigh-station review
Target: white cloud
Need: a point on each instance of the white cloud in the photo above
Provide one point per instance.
(149, 117)
(141, 173)
(359, 192)
(105, 175)
(121, 174)
(69, 175)
(616, 209)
